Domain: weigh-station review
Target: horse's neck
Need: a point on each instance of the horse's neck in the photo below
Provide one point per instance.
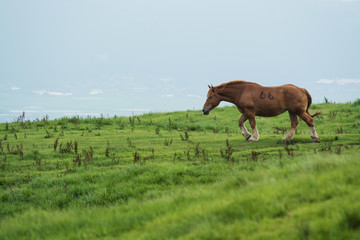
(231, 93)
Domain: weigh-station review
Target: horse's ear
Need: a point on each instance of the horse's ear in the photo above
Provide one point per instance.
(212, 88)
(209, 86)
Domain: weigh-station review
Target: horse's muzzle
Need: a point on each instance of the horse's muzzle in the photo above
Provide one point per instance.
(206, 111)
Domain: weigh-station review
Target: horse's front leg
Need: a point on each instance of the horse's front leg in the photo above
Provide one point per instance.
(244, 131)
(294, 122)
(255, 136)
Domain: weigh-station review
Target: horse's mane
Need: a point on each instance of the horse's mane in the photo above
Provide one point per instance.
(230, 83)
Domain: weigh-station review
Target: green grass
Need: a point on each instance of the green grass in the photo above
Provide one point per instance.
(181, 175)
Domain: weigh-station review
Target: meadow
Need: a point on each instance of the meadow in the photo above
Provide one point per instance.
(181, 175)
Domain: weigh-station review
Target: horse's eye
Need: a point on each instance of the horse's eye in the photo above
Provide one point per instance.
(210, 97)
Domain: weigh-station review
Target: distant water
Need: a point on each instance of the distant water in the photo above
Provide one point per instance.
(11, 116)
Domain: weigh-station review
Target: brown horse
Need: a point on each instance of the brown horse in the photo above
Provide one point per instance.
(253, 100)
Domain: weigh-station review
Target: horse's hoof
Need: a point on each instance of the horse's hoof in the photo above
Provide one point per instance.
(286, 141)
(248, 137)
(315, 139)
(252, 139)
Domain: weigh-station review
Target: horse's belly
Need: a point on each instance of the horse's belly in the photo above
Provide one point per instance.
(269, 112)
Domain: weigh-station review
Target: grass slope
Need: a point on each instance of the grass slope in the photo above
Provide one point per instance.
(180, 175)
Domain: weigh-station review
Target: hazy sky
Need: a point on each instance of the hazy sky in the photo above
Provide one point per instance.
(122, 57)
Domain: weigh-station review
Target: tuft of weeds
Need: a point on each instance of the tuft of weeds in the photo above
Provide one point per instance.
(205, 155)
(280, 154)
(228, 151)
(99, 122)
(130, 144)
(168, 142)
(115, 160)
(327, 146)
(91, 152)
(254, 156)
(107, 150)
(289, 151)
(281, 131)
(75, 121)
(77, 160)
(28, 178)
(4, 164)
(66, 148)
(227, 130)
(76, 146)
(47, 134)
(120, 125)
(157, 130)
(186, 134)
(326, 100)
(187, 154)
(340, 130)
(177, 156)
(169, 124)
(88, 156)
(13, 130)
(332, 115)
(56, 143)
(20, 151)
(197, 150)
(37, 159)
(132, 123)
(152, 153)
(137, 158)
(45, 120)
(338, 150)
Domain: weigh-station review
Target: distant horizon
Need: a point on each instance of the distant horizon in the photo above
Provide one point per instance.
(54, 114)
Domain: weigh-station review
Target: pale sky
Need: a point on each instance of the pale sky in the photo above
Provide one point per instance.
(129, 57)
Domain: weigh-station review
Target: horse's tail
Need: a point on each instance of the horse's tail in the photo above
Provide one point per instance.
(309, 103)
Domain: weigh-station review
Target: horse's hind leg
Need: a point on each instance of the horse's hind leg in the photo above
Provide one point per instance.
(244, 131)
(294, 122)
(255, 136)
(310, 122)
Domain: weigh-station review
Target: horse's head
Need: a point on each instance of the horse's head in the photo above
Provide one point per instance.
(212, 101)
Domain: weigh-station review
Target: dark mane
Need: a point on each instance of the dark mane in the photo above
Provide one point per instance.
(230, 83)
(234, 83)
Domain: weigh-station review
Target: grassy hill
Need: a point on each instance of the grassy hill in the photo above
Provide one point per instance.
(181, 175)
